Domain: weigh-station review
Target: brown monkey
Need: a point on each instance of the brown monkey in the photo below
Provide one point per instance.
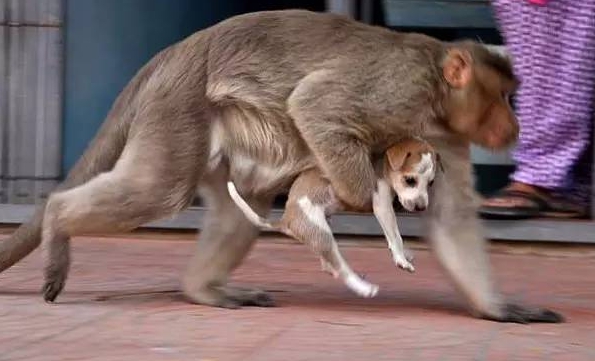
(260, 97)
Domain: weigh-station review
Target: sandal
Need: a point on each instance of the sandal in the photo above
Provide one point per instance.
(537, 205)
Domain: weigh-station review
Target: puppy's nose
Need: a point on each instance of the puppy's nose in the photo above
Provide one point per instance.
(419, 208)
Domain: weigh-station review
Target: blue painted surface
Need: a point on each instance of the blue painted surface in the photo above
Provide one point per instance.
(107, 41)
(439, 13)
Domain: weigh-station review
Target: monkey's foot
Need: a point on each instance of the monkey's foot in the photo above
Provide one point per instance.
(211, 297)
(522, 314)
(229, 297)
(55, 279)
(249, 296)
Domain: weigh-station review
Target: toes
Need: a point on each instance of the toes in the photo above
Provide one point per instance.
(361, 287)
(533, 314)
(370, 292)
(522, 314)
(548, 316)
(404, 264)
(408, 267)
(51, 290)
(211, 297)
(228, 303)
(54, 284)
(250, 297)
(259, 299)
(373, 291)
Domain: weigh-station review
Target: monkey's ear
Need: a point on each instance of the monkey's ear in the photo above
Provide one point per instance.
(458, 68)
(396, 157)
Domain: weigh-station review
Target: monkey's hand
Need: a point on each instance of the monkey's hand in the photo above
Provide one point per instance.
(511, 312)
(345, 161)
(328, 116)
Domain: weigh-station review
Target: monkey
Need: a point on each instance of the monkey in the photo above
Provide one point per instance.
(258, 98)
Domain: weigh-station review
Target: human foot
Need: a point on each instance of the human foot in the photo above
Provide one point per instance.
(522, 201)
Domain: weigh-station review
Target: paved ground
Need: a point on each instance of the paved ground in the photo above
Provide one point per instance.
(121, 303)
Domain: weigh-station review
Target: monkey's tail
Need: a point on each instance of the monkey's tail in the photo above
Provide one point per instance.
(248, 211)
(100, 156)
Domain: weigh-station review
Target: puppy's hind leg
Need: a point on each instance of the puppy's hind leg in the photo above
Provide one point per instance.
(313, 230)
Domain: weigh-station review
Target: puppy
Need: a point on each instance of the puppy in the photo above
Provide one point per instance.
(407, 168)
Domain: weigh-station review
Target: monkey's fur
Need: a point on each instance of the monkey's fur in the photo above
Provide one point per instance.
(258, 99)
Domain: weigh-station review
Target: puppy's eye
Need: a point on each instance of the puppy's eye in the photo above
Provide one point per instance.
(431, 183)
(410, 181)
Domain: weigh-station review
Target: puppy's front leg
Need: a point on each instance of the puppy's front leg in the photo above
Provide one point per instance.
(385, 214)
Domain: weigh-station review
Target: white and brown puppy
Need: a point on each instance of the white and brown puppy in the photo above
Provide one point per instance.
(407, 168)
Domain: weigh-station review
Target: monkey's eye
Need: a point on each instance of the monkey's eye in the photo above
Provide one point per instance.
(410, 181)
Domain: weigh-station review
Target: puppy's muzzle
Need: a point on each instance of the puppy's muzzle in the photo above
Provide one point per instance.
(413, 205)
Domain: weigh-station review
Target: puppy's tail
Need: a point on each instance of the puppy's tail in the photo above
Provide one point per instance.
(248, 211)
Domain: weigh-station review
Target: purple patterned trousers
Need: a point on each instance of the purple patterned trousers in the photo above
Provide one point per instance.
(553, 49)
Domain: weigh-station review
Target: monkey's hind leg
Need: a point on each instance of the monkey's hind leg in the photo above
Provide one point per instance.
(155, 177)
(225, 239)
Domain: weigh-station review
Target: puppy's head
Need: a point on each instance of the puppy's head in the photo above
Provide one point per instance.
(411, 166)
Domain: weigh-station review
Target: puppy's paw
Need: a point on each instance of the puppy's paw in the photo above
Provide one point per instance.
(409, 255)
(372, 292)
(326, 267)
(360, 287)
(403, 263)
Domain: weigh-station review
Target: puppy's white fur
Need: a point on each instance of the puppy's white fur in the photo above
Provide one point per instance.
(312, 199)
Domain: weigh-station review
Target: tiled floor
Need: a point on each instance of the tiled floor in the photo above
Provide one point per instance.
(122, 303)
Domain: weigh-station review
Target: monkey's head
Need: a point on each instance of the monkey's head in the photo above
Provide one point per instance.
(411, 166)
(479, 81)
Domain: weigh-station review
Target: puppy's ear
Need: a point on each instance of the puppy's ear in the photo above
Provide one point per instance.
(396, 157)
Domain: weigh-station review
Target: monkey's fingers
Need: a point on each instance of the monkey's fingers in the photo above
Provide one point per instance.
(249, 297)
(523, 314)
(51, 290)
(55, 279)
(262, 299)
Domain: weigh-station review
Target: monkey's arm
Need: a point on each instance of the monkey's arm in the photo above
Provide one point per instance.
(328, 118)
(455, 235)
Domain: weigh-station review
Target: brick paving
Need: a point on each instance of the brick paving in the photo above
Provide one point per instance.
(122, 303)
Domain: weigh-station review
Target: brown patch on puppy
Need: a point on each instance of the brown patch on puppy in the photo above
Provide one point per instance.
(407, 154)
